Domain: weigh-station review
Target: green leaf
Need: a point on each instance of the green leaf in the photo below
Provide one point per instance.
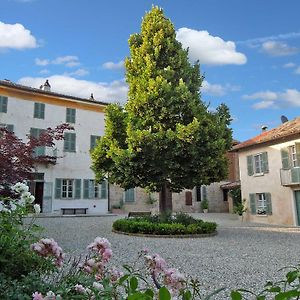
(164, 294)
(133, 283)
(123, 278)
(187, 295)
(235, 295)
(287, 295)
(292, 276)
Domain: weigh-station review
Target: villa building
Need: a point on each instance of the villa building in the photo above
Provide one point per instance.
(270, 174)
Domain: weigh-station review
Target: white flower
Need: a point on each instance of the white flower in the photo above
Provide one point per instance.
(31, 199)
(13, 206)
(97, 285)
(37, 208)
(20, 187)
(1, 205)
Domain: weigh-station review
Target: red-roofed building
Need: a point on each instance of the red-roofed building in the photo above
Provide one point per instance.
(270, 174)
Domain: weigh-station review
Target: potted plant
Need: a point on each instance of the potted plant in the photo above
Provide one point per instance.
(239, 209)
(204, 205)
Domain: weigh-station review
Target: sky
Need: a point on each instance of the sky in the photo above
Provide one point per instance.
(249, 51)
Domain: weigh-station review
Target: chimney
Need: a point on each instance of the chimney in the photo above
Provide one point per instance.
(46, 87)
(264, 128)
(92, 97)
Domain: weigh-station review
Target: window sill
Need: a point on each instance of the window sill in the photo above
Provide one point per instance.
(70, 151)
(258, 174)
(258, 215)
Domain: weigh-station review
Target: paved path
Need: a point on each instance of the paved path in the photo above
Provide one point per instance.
(241, 255)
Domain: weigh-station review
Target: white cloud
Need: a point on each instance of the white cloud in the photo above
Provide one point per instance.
(114, 66)
(79, 72)
(217, 89)
(209, 49)
(44, 71)
(275, 48)
(41, 62)
(115, 91)
(16, 36)
(268, 99)
(289, 65)
(68, 61)
(297, 71)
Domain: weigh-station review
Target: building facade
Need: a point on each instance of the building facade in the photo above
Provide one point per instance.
(270, 175)
(67, 186)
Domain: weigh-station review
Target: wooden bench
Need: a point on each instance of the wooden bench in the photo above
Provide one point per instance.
(133, 214)
(74, 210)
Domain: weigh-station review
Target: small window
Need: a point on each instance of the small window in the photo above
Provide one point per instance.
(36, 132)
(198, 193)
(293, 154)
(69, 142)
(129, 196)
(70, 115)
(257, 164)
(3, 104)
(94, 139)
(225, 195)
(39, 110)
(260, 204)
(92, 190)
(67, 188)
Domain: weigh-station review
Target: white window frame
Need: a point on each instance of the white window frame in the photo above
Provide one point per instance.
(67, 189)
(293, 155)
(261, 204)
(260, 164)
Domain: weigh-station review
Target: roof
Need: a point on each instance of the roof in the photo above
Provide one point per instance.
(231, 185)
(285, 131)
(13, 85)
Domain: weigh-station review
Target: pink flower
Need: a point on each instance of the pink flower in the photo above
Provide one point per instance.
(155, 263)
(79, 288)
(115, 275)
(174, 279)
(106, 255)
(37, 296)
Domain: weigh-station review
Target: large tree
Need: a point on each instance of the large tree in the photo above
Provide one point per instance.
(164, 139)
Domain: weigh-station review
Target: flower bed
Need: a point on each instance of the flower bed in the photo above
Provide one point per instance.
(179, 225)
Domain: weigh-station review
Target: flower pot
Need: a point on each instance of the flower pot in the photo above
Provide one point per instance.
(205, 210)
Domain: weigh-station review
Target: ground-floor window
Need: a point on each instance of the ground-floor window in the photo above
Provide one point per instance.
(92, 190)
(129, 195)
(67, 188)
(260, 204)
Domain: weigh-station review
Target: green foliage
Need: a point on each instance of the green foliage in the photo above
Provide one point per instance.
(179, 224)
(240, 208)
(165, 133)
(236, 196)
(204, 204)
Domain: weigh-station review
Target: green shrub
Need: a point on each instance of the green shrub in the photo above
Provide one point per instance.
(179, 224)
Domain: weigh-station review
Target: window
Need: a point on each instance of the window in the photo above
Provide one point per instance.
(3, 104)
(94, 139)
(66, 188)
(92, 190)
(69, 142)
(198, 193)
(39, 110)
(257, 164)
(260, 204)
(70, 115)
(129, 195)
(225, 195)
(36, 132)
(9, 127)
(290, 156)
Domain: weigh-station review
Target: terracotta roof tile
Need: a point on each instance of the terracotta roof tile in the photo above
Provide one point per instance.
(285, 130)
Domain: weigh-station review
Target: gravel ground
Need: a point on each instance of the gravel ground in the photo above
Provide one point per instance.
(242, 255)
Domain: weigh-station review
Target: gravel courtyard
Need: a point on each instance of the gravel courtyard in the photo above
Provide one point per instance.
(241, 255)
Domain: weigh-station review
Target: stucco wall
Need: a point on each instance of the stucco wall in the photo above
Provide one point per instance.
(282, 198)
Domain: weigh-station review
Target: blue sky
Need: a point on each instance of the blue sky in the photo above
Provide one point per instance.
(249, 50)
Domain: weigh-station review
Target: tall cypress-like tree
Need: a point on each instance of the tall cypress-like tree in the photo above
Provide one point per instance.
(164, 139)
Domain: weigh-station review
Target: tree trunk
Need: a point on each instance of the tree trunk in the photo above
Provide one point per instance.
(165, 199)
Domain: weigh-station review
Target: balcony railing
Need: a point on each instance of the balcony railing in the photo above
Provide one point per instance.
(47, 155)
(290, 177)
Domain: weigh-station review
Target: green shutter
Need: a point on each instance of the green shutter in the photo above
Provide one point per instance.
(129, 195)
(58, 183)
(70, 115)
(285, 158)
(39, 110)
(36, 132)
(10, 127)
(297, 145)
(77, 188)
(252, 198)
(86, 189)
(204, 192)
(3, 104)
(73, 142)
(250, 165)
(295, 175)
(103, 192)
(268, 203)
(265, 164)
(69, 142)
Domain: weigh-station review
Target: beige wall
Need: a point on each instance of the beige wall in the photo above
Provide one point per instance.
(282, 198)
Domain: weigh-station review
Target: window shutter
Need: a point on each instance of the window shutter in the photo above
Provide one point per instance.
(250, 165)
(77, 188)
(91, 189)
(10, 127)
(265, 164)
(204, 192)
(297, 145)
(3, 104)
(268, 203)
(129, 195)
(58, 183)
(86, 189)
(285, 158)
(73, 142)
(252, 198)
(70, 115)
(103, 190)
(42, 110)
(34, 132)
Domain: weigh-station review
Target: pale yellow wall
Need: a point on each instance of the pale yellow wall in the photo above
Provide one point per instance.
(282, 197)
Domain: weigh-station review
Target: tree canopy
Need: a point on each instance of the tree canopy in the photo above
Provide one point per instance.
(165, 136)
